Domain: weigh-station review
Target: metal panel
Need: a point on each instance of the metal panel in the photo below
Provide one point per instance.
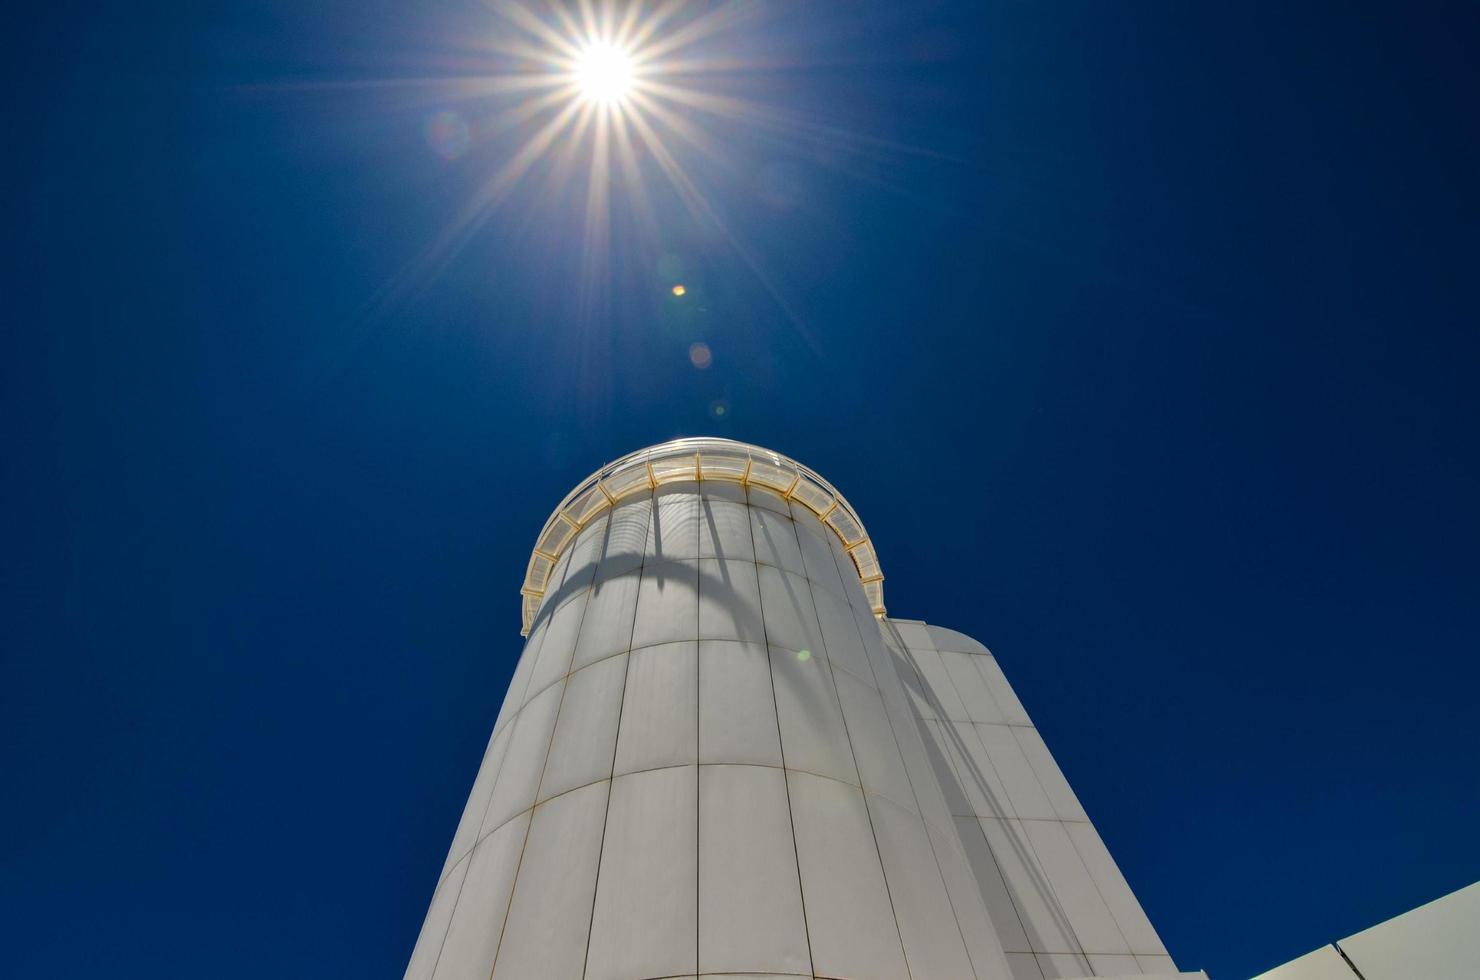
(813, 736)
(791, 620)
(660, 712)
(750, 900)
(933, 944)
(737, 711)
(645, 922)
(1032, 894)
(560, 643)
(839, 632)
(586, 731)
(1094, 927)
(874, 748)
(849, 919)
(477, 923)
(729, 601)
(776, 541)
(667, 603)
(550, 914)
(1050, 777)
(1134, 925)
(724, 528)
(472, 817)
(610, 608)
(674, 531)
(524, 762)
(434, 926)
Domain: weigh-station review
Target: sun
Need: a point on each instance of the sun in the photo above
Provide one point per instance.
(604, 73)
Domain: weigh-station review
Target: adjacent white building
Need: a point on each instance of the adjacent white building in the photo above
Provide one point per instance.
(1437, 941)
(719, 757)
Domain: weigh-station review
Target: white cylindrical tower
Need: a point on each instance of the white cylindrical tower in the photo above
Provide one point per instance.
(706, 763)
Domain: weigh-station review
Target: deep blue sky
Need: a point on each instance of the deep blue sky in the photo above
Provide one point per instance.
(1167, 312)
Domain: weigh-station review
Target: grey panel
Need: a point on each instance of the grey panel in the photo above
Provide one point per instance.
(983, 943)
(1437, 941)
(849, 919)
(582, 557)
(610, 608)
(1032, 893)
(1113, 965)
(478, 922)
(874, 748)
(667, 602)
(646, 922)
(1322, 964)
(550, 915)
(985, 792)
(724, 529)
(1055, 965)
(434, 926)
(660, 712)
(813, 736)
(1163, 965)
(775, 539)
(627, 538)
(559, 644)
(933, 945)
(840, 633)
(1024, 966)
(938, 688)
(519, 683)
(1094, 927)
(737, 711)
(1024, 794)
(524, 762)
(1113, 888)
(1002, 692)
(674, 532)
(750, 901)
(729, 601)
(791, 619)
(1006, 922)
(768, 500)
(1065, 804)
(817, 557)
(586, 730)
(978, 700)
(945, 639)
(472, 818)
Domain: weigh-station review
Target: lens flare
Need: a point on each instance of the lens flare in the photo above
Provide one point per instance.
(700, 355)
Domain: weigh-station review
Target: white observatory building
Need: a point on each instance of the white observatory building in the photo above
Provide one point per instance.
(719, 757)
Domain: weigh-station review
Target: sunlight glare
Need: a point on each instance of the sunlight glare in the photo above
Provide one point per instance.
(604, 73)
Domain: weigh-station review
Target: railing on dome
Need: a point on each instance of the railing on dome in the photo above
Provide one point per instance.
(698, 459)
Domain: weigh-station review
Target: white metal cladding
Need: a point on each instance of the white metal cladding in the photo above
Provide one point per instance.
(707, 460)
(1057, 901)
(714, 759)
(706, 765)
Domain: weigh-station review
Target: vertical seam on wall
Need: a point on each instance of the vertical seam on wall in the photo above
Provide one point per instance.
(852, 753)
(544, 767)
(698, 707)
(780, 742)
(1348, 960)
(611, 781)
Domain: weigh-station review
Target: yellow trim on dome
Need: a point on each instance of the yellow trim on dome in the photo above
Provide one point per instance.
(596, 494)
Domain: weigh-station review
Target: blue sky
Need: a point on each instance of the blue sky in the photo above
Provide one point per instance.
(1172, 304)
